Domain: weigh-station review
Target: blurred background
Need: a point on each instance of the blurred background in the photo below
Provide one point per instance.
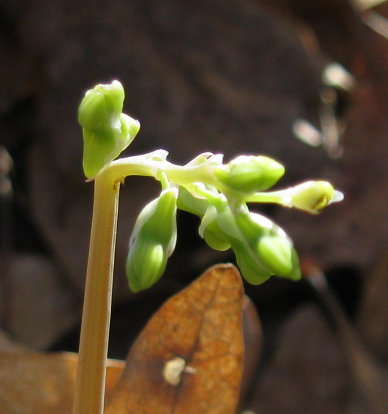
(305, 82)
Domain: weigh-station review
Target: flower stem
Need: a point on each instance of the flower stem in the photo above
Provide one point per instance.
(281, 197)
(91, 371)
(90, 385)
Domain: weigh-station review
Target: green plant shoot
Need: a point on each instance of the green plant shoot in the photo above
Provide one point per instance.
(217, 193)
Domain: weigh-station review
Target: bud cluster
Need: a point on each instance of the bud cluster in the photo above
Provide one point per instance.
(262, 248)
(217, 193)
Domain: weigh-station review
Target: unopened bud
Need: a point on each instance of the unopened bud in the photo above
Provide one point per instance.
(146, 266)
(267, 247)
(194, 205)
(313, 196)
(248, 174)
(209, 229)
(251, 268)
(101, 105)
(215, 237)
(152, 242)
(106, 130)
(276, 254)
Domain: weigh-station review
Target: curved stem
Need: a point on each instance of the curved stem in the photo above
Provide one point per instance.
(146, 166)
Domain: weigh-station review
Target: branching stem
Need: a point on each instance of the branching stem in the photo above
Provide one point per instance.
(90, 384)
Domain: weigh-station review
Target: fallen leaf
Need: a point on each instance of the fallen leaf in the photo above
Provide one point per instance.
(189, 357)
(37, 383)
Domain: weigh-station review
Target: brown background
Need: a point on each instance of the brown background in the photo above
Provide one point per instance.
(206, 75)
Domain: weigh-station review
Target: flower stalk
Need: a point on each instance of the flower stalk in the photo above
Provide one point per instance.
(215, 192)
(90, 385)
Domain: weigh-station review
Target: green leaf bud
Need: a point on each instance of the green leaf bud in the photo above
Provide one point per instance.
(153, 241)
(313, 196)
(249, 174)
(106, 130)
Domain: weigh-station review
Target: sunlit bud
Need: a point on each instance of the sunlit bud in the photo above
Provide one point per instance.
(269, 247)
(253, 225)
(249, 265)
(194, 205)
(248, 174)
(313, 196)
(101, 105)
(226, 221)
(106, 130)
(215, 237)
(275, 253)
(153, 241)
(242, 233)
(145, 266)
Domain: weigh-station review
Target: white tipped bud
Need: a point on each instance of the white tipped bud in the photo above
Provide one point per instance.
(313, 196)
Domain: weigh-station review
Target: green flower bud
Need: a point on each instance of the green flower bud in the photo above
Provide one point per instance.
(146, 266)
(226, 222)
(242, 236)
(106, 130)
(276, 254)
(249, 174)
(249, 265)
(263, 246)
(101, 105)
(209, 230)
(194, 205)
(253, 225)
(313, 196)
(215, 237)
(153, 241)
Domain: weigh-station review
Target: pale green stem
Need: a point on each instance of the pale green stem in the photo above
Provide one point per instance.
(90, 385)
(281, 197)
(143, 165)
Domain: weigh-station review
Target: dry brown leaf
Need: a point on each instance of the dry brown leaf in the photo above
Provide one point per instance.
(36, 383)
(189, 358)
